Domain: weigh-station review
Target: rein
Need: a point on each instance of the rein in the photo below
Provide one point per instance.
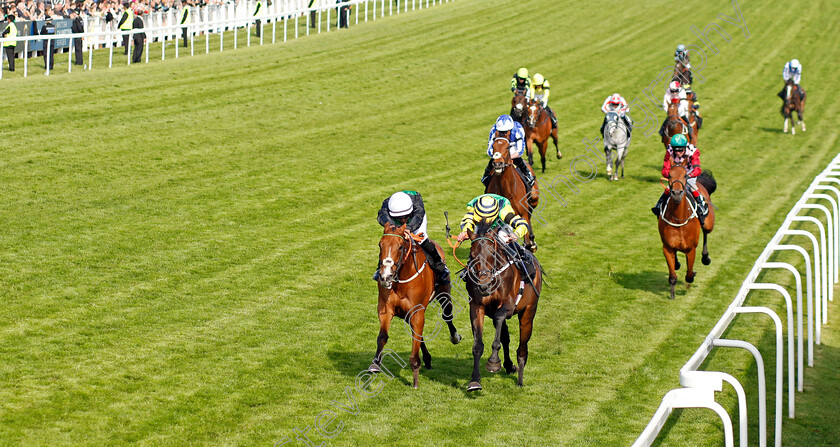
(411, 251)
(680, 222)
(542, 113)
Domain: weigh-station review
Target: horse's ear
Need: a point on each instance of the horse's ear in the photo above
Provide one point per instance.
(470, 234)
(402, 227)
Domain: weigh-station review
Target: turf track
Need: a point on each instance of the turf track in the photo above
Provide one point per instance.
(187, 245)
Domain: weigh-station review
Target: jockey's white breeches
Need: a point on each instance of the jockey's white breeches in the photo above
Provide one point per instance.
(422, 230)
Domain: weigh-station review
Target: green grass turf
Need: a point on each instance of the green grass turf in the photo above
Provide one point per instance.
(187, 245)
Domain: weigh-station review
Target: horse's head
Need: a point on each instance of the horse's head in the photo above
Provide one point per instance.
(501, 154)
(676, 182)
(484, 259)
(518, 103)
(393, 251)
(673, 119)
(534, 109)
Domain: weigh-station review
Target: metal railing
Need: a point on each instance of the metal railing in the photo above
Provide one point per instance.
(229, 18)
(699, 386)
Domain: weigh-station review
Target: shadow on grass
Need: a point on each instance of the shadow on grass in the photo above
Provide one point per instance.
(644, 178)
(649, 281)
(771, 129)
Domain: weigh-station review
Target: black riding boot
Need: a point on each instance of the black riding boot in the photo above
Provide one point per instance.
(662, 129)
(529, 179)
(376, 274)
(782, 93)
(436, 263)
(702, 208)
(603, 125)
(656, 210)
(553, 118)
(524, 257)
(488, 172)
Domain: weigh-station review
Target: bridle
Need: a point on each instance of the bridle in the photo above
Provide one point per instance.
(505, 160)
(532, 117)
(402, 255)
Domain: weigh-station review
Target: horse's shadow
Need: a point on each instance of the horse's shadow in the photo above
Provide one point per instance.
(644, 178)
(771, 129)
(453, 372)
(649, 281)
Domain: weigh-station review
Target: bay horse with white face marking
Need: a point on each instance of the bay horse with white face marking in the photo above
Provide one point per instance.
(498, 290)
(406, 285)
(675, 124)
(518, 107)
(537, 130)
(679, 227)
(794, 101)
(507, 182)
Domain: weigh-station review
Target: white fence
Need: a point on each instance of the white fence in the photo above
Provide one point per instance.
(699, 386)
(284, 19)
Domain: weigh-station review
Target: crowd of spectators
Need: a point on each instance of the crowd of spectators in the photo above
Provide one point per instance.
(40, 10)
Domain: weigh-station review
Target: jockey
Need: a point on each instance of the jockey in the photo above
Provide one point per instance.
(540, 93)
(506, 127)
(677, 151)
(406, 207)
(681, 55)
(521, 82)
(617, 103)
(676, 93)
(496, 211)
(792, 71)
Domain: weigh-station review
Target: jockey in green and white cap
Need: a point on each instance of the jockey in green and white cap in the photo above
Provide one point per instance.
(682, 153)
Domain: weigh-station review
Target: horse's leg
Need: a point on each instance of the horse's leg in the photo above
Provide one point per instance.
(508, 364)
(444, 297)
(608, 153)
(786, 125)
(494, 364)
(526, 324)
(427, 358)
(418, 319)
(689, 270)
(477, 317)
(623, 154)
(706, 260)
(671, 259)
(543, 147)
(554, 139)
(385, 315)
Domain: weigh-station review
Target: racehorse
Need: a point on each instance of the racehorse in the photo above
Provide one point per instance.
(507, 182)
(679, 227)
(518, 106)
(537, 130)
(794, 101)
(497, 289)
(675, 124)
(406, 285)
(616, 139)
(681, 75)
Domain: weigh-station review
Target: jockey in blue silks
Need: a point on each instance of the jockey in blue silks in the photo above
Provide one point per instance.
(506, 127)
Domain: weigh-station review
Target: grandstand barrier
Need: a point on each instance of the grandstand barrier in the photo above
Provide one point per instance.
(164, 27)
(698, 386)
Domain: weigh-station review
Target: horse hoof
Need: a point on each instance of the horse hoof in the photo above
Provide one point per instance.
(374, 368)
(428, 366)
(677, 265)
(474, 386)
(706, 260)
(455, 338)
(494, 367)
(510, 369)
(559, 155)
(689, 280)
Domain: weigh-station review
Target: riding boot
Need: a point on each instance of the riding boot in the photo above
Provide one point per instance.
(553, 118)
(702, 207)
(376, 275)
(662, 129)
(529, 179)
(524, 257)
(488, 172)
(782, 94)
(436, 263)
(603, 125)
(629, 125)
(657, 210)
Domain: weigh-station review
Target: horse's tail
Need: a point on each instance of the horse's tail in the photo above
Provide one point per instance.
(708, 181)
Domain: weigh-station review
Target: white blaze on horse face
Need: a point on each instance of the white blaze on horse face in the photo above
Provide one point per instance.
(788, 91)
(519, 107)
(497, 155)
(388, 263)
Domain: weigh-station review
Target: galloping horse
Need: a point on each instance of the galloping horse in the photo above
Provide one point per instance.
(675, 124)
(794, 101)
(681, 75)
(498, 290)
(537, 130)
(679, 227)
(406, 286)
(507, 182)
(616, 139)
(518, 106)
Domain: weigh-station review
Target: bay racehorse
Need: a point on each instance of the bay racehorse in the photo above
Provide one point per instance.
(518, 107)
(507, 182)
(498, 290)
(682, 75)
(617, 143)
(794, 101)
(675, 124)
(406, 285)
(537, 130)
(679, 227)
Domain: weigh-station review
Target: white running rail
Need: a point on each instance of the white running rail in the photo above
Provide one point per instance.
(292, 17)
(820, 275)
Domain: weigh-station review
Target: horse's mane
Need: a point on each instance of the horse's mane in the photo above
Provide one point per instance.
(482, 228)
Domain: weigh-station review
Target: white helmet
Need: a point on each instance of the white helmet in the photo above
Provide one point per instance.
(504, 123)
(674, 86)
(399, 205)
(615, 98)
(795, 65)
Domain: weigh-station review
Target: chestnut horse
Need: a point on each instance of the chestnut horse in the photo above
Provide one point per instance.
(497, 289)
(507, 182)
(679, 227)
(537, 130)
(681, 75)
(406, 285)
(675, 124)
(794, 101)
(518, 106)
